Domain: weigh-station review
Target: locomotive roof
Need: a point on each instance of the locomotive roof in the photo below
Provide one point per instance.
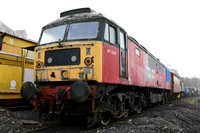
(78, 14)
(81, 16)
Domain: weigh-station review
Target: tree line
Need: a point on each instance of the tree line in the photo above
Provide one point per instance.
(191, 82)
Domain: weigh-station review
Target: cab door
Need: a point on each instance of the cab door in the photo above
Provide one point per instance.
(123, 53)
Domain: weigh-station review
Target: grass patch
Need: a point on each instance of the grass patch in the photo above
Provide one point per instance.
(190, 101)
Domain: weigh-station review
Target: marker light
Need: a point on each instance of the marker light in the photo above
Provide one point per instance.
(88, 61)
(64, 74)
(38, 64)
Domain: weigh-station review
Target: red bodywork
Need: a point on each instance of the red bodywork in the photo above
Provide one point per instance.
(51, 94)
(138, 71)
(111, 71)
(175, 84)
(111, 66)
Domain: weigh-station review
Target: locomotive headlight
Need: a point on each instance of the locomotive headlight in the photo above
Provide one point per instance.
(64, 74)
(88, 61)
(38, 64)
(49, 60)
(73, 58)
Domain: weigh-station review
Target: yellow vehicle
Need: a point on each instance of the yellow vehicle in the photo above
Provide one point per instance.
(16, 65)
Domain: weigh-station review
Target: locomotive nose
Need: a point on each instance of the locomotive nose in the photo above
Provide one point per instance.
(79, 91)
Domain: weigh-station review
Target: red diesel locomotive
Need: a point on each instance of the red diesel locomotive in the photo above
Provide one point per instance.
(86, 63)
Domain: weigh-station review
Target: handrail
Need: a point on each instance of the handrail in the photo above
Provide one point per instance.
(15, 55)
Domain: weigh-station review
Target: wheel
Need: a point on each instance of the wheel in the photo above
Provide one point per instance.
(140, 105)
(163, 100)
(105, 118)
(126, 115)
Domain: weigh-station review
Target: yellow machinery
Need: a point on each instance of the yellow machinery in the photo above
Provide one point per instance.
(16, 65)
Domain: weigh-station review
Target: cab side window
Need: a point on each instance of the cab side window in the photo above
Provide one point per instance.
(106, 34)
(122, 40)
(110, 34)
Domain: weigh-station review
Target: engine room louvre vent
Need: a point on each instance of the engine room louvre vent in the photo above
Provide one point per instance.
(76, 11)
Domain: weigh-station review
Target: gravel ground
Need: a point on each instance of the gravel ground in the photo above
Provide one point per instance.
(178, 116)
(12, 121)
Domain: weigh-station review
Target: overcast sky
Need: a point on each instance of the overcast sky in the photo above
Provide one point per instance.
(169, 29)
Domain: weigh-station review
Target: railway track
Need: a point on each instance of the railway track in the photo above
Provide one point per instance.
(158, 116)
(71, 124)
(17, 108)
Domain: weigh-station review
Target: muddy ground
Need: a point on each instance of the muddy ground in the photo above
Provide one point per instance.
(177, 116)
